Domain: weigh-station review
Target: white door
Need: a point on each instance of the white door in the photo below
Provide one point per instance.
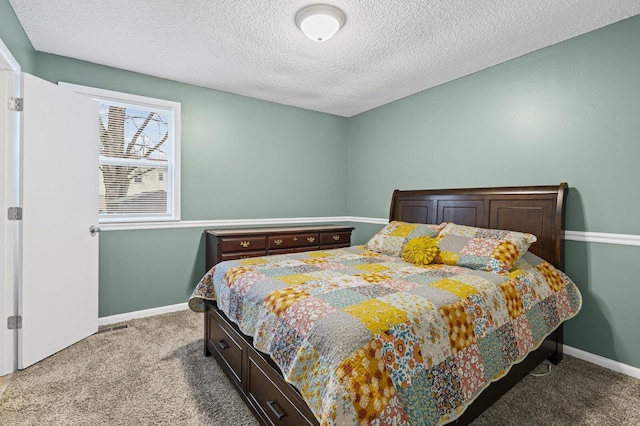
(59, 190)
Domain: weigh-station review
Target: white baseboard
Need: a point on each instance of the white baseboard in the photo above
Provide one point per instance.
(603, 362)
(141, 314)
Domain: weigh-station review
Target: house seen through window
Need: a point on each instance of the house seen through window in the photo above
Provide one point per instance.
(139, 152)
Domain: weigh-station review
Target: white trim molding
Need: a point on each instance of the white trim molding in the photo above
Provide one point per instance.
(610, 364)
(142, 314)
(224, 223)
(601, 237)
(10, 232)
(7, 60)
(372, 220)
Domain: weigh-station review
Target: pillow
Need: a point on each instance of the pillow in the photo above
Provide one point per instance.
(391, 239)
(492, 250)
(420, 250)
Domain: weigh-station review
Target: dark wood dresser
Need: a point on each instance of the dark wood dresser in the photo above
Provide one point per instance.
(240, 243)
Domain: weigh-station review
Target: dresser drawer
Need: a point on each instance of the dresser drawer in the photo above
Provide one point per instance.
(228, 349)
(308, 248)
(282, 251)
(335, 238)
(242, 244)
(298, 240)
(269, 399)
(242, 255)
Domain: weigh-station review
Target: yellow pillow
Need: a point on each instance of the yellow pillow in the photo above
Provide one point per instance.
(420, 250)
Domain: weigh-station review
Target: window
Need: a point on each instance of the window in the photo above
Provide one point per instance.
(139, 163)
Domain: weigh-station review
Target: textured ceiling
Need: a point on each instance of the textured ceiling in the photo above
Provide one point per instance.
(386, 50)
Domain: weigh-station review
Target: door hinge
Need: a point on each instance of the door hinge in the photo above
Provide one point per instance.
(14, 213)
(16, 104)
(14, 322)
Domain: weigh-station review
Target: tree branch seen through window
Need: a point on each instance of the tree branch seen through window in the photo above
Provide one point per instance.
(133, 134)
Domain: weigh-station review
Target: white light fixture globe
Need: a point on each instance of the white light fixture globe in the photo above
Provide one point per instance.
(320, 22)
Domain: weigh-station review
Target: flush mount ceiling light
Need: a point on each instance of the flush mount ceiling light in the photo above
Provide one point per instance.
(320, 22)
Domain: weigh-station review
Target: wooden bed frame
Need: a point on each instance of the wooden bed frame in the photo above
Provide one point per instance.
(535, 209)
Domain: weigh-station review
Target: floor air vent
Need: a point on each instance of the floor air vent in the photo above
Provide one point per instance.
(108, 328)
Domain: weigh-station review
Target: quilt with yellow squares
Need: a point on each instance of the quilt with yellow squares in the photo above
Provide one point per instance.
(370, 339)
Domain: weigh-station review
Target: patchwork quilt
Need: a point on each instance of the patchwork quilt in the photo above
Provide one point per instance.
(370, 339)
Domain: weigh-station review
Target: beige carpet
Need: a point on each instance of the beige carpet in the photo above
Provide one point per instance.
(575, 392)
(154, 373)
(151, 373)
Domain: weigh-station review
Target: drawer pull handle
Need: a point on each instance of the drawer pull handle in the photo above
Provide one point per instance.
(336, 238)
(276, 409)
(295, 238)
(278, 242)
(224, 345)
(311, 239)
(245, 244)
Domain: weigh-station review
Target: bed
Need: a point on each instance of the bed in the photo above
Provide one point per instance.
(359, 335)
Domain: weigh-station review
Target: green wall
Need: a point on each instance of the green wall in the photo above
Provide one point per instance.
(608, 322)
(14, 37)
(242, 158)
(570, 112)
(148, 268)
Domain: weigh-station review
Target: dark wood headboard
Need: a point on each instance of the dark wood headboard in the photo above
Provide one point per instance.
(535, 209)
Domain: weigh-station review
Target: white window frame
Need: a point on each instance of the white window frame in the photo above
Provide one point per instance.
(173, 168)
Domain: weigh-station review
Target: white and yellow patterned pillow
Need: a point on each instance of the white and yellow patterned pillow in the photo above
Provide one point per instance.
(491, 250)
(391, 239)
